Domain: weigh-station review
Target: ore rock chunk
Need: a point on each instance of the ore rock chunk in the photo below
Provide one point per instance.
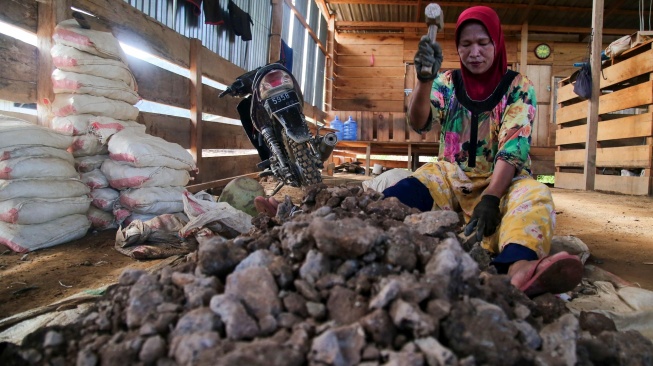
(596, 323)
(346, 239)
(340, 346)
(315, 266)
(433, 223)
(435, 353)
(401, 250)
(218, 257)
(451, 268)
(262, 353)
(296, 241)
(153, 349)
(257, 289)
(346, 306)
(190, 347)
(558, 340)
(238, 324)
(409, 317)
(379, 327)
(475, 327)
(616, 348)
(144, 297)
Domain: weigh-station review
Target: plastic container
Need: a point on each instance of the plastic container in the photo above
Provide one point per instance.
(337, 125)
(351, 130)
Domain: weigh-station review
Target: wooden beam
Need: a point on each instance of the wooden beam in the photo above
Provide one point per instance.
(330, 60)
(523, 56)
(526, 12)
(50, 14)
(354, 25)
(321, 4)
(275, 31)
(20, 13)
(196, 104)
(308, 27)
(495, 5)
(18, 73)
(589, 172)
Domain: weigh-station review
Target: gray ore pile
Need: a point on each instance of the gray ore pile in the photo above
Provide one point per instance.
(353, 279)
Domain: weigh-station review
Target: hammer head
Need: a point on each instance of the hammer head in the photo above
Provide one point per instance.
(433, 15)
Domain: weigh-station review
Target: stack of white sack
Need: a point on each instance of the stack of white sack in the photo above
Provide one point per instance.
(42, 200)
(150, 173)
(95, 93)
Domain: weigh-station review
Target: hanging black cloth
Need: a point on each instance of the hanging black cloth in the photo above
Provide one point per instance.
(285, 55)
(478, 107)
(240, 22)
(212, 11)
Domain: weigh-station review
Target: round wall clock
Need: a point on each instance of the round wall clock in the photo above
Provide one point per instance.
(542, 51)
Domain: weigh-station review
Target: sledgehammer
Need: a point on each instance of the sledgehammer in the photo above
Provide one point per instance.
(434, 20)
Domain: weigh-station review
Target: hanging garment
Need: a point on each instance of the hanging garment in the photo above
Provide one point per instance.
(212, 11)
(286, 55)
(240, 22)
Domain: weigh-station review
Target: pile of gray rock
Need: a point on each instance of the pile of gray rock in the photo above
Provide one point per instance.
(349, 279)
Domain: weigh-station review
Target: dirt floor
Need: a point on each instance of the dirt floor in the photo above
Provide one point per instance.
(617, 229)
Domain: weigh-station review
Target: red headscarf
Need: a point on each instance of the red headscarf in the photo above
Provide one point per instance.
(479, 87)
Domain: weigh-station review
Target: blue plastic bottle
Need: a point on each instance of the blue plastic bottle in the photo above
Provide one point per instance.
(351, 129)
(337, 125)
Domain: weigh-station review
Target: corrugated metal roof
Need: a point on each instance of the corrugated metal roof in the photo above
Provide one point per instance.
(619, 14)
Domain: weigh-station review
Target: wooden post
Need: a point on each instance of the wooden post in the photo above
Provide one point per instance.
(328, 84)
(523, 57)
(274, 49)
(410, 157)
(368, 152)
(589, 173)
(50, 13)
(196, 104)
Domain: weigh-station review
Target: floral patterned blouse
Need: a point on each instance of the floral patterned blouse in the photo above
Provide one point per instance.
(504, 122)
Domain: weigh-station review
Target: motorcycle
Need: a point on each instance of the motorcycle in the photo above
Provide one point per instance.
(272, 115)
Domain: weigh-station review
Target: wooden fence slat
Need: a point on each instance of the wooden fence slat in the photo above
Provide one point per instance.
(623, 157)
(19, 62)
(170, 128)
(640, 125)
(399, 127)
(228, 166)
(369, 105)
(382, 127)
(224, 107)
(159, 85)
(225, 136)
(21, 13)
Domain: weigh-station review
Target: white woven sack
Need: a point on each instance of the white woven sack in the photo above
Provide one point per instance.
(153, 200)
(34, 210)
(87, 145)
(73, 125)
(104, 198)
(67, 104)
(36, 167)
(25, 238)
(147, 150)
(42, 188)
(122, 176)
(101, 220)
(136, 216)
(120, 213)
(68, 82)
(85, 164)
(71, 59)
(105, 127)
(13, 152)
(103, 44)
(95, 179)
(15, 133)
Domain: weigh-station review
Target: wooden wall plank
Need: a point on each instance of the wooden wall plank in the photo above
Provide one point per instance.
(368, 105)
(364, 60)
(21, 13)
(225, 136)
(640, 125)
(621, 157)
(638, 186)
(366, 49)
(18, 73)
(382, 126)
(218, 68)
(362, 38)
(384, 83)
(220, 167)
(213, 104)
(365, 125)
(139, 30)
(369, 72)
(346, 93)
(636, 95)
(170, 128)
(159, 85)
(399, 127)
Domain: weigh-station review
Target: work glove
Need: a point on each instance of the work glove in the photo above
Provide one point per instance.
(485, 218)
(429, 54)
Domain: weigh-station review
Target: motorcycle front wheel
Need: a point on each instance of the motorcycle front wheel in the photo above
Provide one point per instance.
(305, 162)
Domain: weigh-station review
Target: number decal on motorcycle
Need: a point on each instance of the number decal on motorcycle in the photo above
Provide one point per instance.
(280, 98)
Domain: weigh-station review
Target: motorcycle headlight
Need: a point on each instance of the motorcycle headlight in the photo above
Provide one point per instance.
(273, 82)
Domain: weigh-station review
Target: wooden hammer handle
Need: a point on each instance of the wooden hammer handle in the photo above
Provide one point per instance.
(432, 33)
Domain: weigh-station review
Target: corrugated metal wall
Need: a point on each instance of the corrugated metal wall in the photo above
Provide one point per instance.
(179, 15)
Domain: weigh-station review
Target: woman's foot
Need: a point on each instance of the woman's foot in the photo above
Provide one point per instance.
(267, 206)
(556, 274)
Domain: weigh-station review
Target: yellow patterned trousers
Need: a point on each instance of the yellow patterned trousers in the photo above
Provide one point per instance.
(528, 213)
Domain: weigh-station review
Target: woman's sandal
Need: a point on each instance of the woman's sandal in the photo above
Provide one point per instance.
(555, 274)
(267, 206)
